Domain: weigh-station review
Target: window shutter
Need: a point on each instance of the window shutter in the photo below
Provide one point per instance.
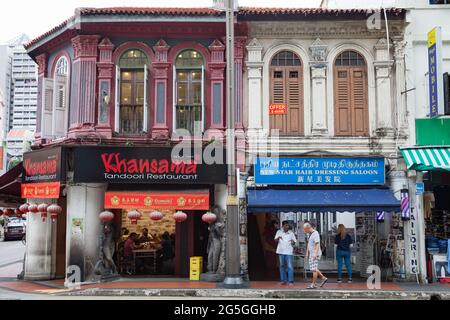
(47, 108)
(294, 101)
(59, 121)
(278, 95)
(359, 102)
(343, 102)
(117, 102)
(145, 116)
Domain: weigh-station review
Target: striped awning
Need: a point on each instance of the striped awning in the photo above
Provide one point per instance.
(427, 158)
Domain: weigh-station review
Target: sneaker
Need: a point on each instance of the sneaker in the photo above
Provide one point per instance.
(291, 285)
(323, 282)
(311, 286)
(350, 281)
(339, 280)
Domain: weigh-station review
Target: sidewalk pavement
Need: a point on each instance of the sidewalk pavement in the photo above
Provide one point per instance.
(183, 288)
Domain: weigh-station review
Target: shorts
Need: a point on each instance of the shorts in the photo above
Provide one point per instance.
(314, 264)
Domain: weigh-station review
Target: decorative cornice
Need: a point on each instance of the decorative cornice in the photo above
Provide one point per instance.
(323, 30)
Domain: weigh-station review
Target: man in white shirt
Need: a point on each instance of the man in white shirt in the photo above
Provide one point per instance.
(285, 250)
(313, 254)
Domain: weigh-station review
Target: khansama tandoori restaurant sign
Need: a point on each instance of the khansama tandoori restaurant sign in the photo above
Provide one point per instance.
(320, 171)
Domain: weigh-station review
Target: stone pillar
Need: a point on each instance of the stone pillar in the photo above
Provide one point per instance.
(39, 255)
(400, 83)
(239, 52)
(161, 67)
(83, 239)
(254, 71)
(83, 85)
(105, 67)
(217, 74)
(318, 66)
(42, 62)
(383, 66)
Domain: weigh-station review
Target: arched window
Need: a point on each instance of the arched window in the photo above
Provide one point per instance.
(55, 113)
(350, 95)
(189, 84)
(286, 90)
(131, 92)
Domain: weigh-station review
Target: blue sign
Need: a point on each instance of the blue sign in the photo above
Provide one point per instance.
(420, 188)
(435, 76)
(319, 171)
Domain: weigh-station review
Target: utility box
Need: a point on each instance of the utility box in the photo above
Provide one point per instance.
(195, 268)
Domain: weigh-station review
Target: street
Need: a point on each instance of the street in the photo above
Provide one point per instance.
(11, 252)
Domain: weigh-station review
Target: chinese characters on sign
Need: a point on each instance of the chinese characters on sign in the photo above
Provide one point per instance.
(277, 108)
(436, 81)
(320, 171)
(156, 200)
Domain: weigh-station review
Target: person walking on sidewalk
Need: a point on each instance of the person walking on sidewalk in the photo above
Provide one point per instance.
(343, 252)
(285, 250)
(313, 254)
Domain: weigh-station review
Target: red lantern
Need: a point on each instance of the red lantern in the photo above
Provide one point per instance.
(54, 211)
(17, 212)
(9, 212)
(209, 217)
(33, 208)
(24, 208)
(42, 209)
(106, 216)
(1, 212)
(134, 216)
(156, 216)
(180, 216)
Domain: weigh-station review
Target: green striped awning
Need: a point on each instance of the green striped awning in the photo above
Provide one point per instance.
(427, 158)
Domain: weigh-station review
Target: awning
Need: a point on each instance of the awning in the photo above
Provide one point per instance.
(10, 187)
(427, 158)
(322, 200)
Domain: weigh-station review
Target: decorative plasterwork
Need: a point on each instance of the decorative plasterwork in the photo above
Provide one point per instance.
(41, 61)
(318, 52)
(161, 49)
(85, 45)
(322, 29)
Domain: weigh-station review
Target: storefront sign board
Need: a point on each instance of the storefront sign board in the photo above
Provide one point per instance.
(435, 74)
(156, 200)
(320, 171)
(44, 165)
(147, 165)
(44, 190)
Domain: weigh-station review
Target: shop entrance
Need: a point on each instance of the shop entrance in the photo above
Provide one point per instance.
(376, 242)
(162, 248)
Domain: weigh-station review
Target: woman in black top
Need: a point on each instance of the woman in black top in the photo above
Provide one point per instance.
(344, 251)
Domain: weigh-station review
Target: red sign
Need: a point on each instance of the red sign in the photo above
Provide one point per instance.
(156, 200)
(44, 190)
(277, 108)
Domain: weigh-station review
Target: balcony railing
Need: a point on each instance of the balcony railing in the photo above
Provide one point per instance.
(189, 118)
(131, 119)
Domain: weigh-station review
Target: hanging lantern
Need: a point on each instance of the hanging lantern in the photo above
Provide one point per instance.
(24, 208)
(209, 217)
(1, 212)
(42, 209)
(54, 211)
(106, 216)
(134, 216)
(33, 208)
(180, 216)
(9, 212)
(17, 212)
(156, 216)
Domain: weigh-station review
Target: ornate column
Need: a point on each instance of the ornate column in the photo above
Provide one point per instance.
(83, 88)
(42, 62)
(318, 66)
(383, 66)
(239, 52)
(161, 68)
(105, 67)
(217, 74)
(254, 88)
(400, 83)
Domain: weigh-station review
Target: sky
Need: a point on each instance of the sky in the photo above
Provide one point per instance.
(34, 17)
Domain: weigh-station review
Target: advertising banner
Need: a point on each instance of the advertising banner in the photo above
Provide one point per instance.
(435, 75)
